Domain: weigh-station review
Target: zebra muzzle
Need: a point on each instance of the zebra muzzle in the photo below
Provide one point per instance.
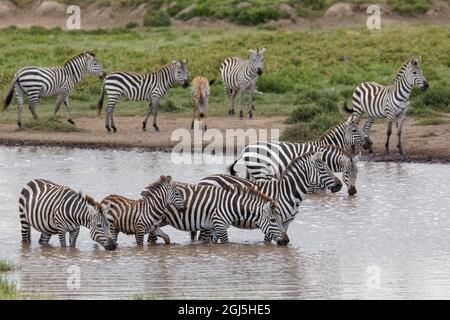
(259, 72)
(425, 86)
(367, 143)
(351, 190)
(284, 240)
(337, 185)
(110, 245)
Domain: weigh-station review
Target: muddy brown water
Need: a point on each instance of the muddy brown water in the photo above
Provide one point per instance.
(389, 241)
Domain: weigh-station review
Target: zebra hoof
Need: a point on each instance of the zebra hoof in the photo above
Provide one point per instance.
(71, 121)
(114, 129)
(108, 129)
(156, 129)
(250, 115)
(386, 152)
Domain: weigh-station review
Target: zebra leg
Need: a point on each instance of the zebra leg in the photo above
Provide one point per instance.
(109, 114)
(32, 105)
(251, 106)
(62, 237)
(399, 133)
(44, 238)
(25, 230)
(194, 236)
(388, 135)
(220, 227)
(139, 235)
(162, 235)
(231, 93)
(152, 238)
(147, 115)
(366, 129)
(242, 93)
(67, 107)
(20, 99)
(73, 236)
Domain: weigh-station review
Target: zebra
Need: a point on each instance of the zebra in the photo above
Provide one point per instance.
(299, 177)
(215, 209)
(133, 86)
(36, 82)
(266, 160)
(142, 216)
(200, 96)
(54, 209)
(241, 75)
(390, 102)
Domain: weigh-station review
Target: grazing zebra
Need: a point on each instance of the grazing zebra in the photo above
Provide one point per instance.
(267, 160)
(143, 216)
(215, 209)
(200, 97)
(53, 209)
(151, 87)
(390, 102)
(241, 75)
(36, 82)
(298, 178)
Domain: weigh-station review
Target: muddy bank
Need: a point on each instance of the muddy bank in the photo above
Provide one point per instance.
(422, 143)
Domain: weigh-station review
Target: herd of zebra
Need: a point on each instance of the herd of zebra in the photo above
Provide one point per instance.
(279, 174)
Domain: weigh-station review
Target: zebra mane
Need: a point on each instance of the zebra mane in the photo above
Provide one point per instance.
(402, 68)
(93, 203)
(340, 150)
(324, 135)
(295, 160)
(80, 55)
(155, 185)
(254, 192)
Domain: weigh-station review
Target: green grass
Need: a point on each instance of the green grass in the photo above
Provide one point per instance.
(307, 72)
(6, 265)
(432, 121)
(8, 289)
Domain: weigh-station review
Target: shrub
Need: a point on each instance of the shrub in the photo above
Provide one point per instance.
(324, 122)
(131, 25)
(254, 16)
(408, 7)
(304, 113)
(273, 83)
(300, 132)
(157, 19)
(168, 105)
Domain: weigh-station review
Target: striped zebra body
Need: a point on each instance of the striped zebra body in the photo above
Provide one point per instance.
(241, 75)
(133, 86)
(139, 217)
(299, 177)
(215, 209)
(267, 160)
(390, 102)
(53, 209)
(36, 82)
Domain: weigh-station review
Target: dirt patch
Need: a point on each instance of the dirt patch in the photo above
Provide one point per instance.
(421, 143)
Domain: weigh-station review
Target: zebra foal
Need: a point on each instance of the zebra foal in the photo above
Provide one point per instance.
(36, 82)
(53, 209)
(133, 86)
(390, 102)
(143, 216)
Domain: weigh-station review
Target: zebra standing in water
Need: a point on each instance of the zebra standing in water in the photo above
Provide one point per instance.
(143, 216)
(215, 209)
(299, 177)
(390, 102)
(241, 75)
(54, 209)
(151, 87)
(36, 82)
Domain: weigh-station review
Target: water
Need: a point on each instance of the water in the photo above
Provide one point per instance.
(389, 241)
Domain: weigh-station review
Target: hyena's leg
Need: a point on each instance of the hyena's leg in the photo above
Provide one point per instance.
(44, 238)
(73, 235)
(20, 94)
(194, 112)
(388, 135)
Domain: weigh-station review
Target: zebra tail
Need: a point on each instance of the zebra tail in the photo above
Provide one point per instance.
(346, 108)
(100, 101)
(232, 171)
(9, 96)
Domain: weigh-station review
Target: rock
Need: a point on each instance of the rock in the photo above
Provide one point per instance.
(6, 8)
(384, 8)
(186, 10)
(340, 10)
(140, 11)
(243, 5)
(287, 8)
(431, 13)
(53, 8)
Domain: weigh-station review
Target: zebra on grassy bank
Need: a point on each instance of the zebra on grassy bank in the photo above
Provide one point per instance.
(53, 209)
(241, 75)
(133, 86)
(301, 175)
(36, 82)
(139, 217)
(390, 102)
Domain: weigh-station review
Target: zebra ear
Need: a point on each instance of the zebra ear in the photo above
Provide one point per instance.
(168, 179)
(262, 50)
(251, 51)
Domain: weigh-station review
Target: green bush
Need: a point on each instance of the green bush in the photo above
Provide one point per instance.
(157, 19)
(299, 132)
(304, 113)
(168, 105)
(324, 122)
(408, 7)
(274, 83)
(131, 25)
(254, 16)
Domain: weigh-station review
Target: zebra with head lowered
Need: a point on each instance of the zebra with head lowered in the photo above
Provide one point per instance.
(266, 160)
(241, 75)
(36, 82)
(139, 217)
(390, 102)
(298, 178)
(215, 209)
(133, 86)
(53, 209)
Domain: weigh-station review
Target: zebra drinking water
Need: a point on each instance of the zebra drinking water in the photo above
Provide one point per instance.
(241, 75)
(36, 82)
(142, 216)
(390, 102)
(151, 87)
(298, 178)
(267, 160)
(215, 209)
(53, 209)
